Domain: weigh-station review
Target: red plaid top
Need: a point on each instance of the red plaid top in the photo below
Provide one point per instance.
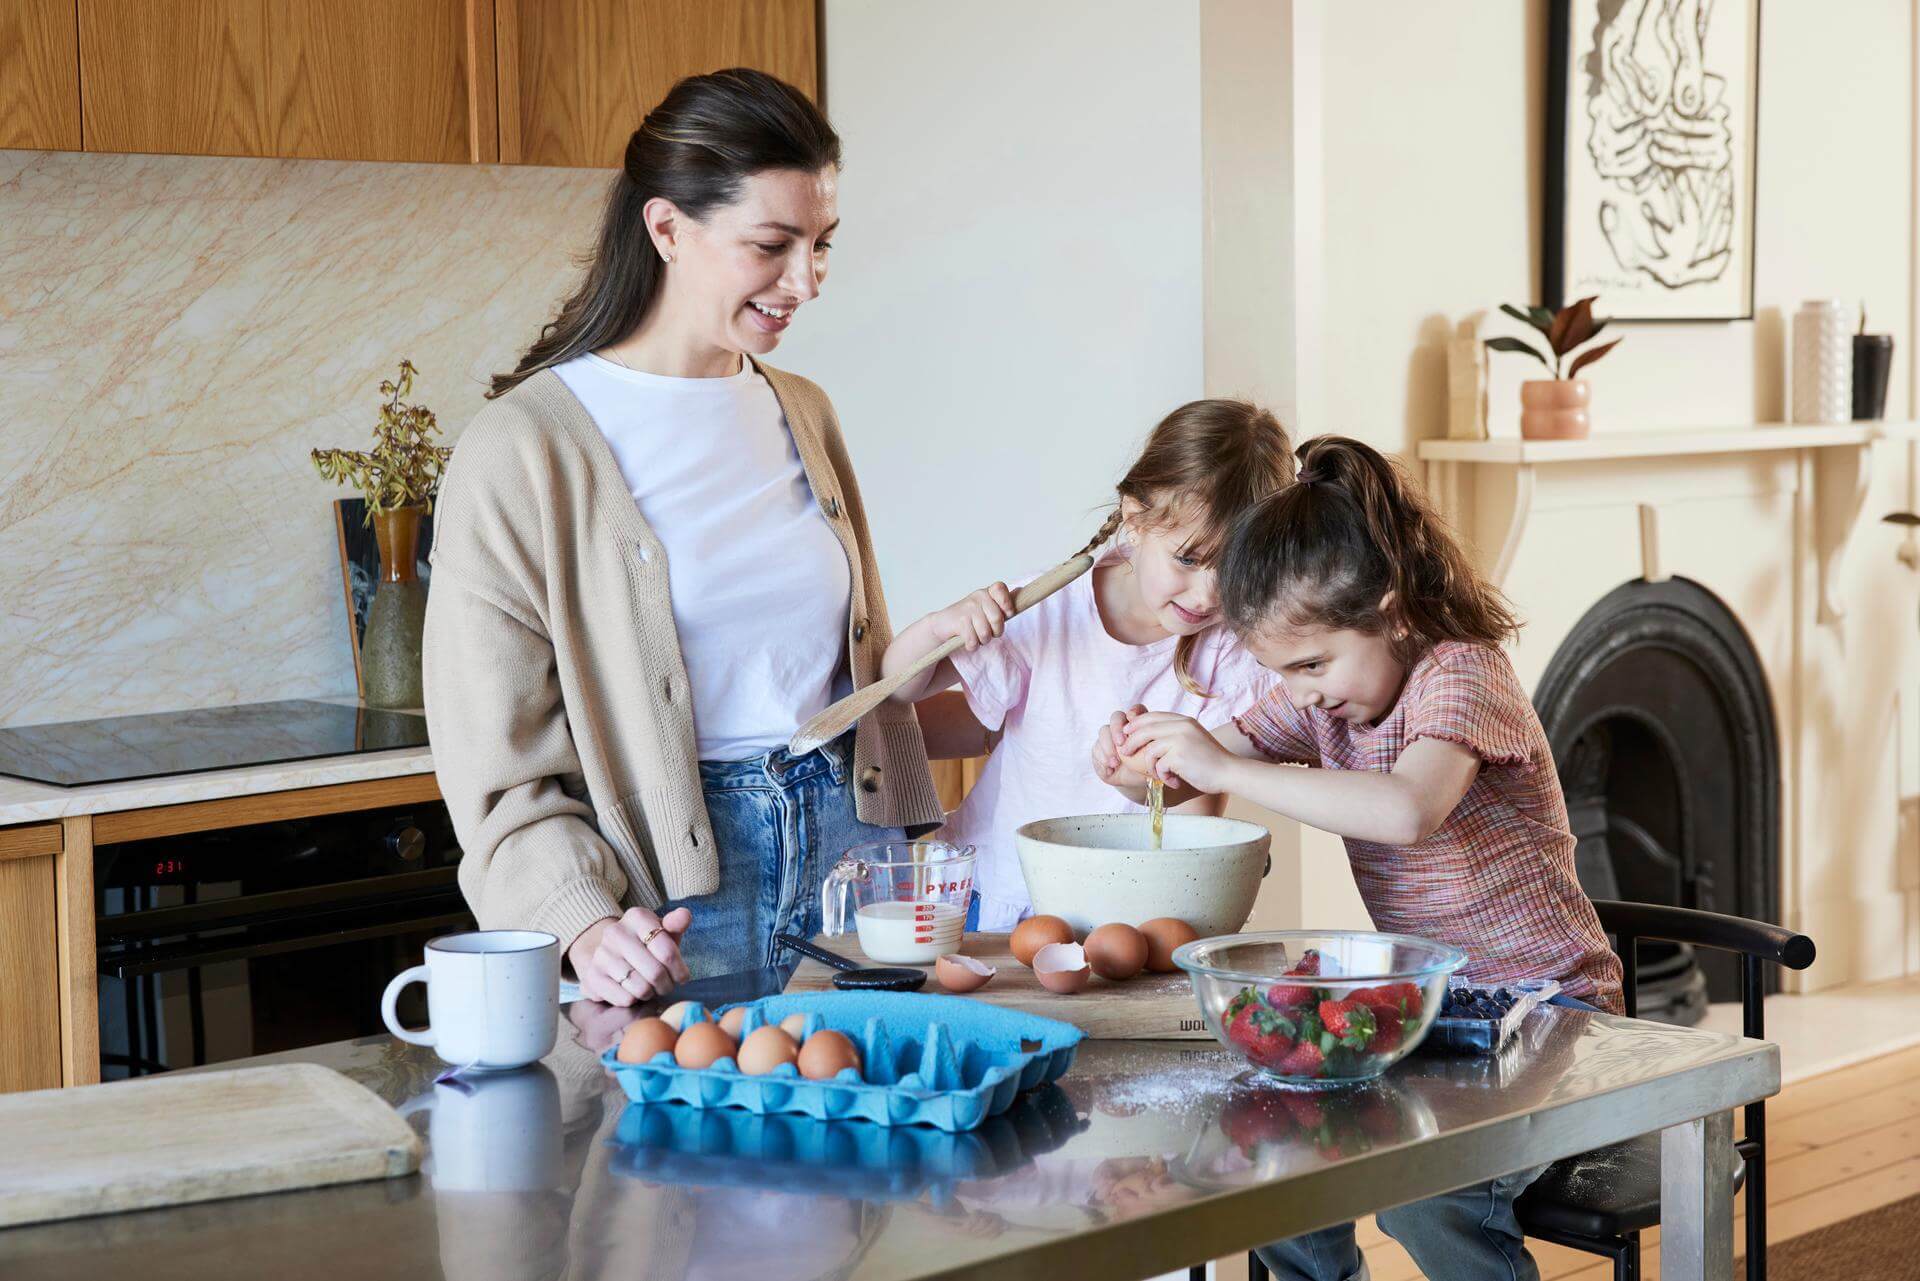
(1497, 879)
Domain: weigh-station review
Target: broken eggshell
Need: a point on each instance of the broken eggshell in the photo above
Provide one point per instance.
(958, 973)
(1062, 968)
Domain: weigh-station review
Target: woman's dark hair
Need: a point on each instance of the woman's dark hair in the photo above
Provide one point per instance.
(1326, 551)
(697, 149)
(1209, 458)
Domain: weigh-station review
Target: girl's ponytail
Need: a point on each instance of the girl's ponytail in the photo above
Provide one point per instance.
(1355, 544)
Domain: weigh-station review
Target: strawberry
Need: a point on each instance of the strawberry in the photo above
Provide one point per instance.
(1401, 998)
(1241, 999)
(1348, 1020)
(1303, 1060)
(1387, 1031)
(1309, 962)
(1264, 1035)
(1288, 997)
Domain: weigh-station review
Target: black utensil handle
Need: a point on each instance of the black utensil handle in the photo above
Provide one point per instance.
(820, 954)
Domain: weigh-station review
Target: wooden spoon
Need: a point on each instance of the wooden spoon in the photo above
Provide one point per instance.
(845, 714)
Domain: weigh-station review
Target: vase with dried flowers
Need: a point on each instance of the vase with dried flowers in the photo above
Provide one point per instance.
(1556, 408)
(398, 477)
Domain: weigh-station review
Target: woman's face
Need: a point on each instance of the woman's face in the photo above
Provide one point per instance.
(737, 279)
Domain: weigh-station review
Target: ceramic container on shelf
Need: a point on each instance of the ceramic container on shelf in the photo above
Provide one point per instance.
(1823, 361)
(1555, 409)
(1872, 362)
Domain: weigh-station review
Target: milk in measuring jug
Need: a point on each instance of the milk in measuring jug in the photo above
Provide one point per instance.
(914, 933)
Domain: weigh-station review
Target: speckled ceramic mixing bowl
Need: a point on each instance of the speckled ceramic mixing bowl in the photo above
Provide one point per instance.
(1101, 867)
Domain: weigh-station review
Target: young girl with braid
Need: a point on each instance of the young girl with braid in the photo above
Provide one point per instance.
(1142, 628)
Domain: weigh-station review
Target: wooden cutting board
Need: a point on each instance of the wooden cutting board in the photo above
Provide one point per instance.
(1146, 1007)
(169, 1140)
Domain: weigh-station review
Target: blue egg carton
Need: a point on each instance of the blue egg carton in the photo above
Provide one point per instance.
(962, 1062)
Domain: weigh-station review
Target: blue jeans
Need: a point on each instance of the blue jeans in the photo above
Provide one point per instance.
(1469, 1234)
(780, 822)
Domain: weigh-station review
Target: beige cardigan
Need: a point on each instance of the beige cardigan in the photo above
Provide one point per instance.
(557, 697)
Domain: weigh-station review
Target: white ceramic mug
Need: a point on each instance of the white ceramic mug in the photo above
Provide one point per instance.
(492, 998)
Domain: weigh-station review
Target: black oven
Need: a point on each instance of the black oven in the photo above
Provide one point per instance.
(226, 944)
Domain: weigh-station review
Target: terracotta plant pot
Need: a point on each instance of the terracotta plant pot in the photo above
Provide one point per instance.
(1555, 409)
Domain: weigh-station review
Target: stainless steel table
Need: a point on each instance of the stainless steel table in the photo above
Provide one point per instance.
(1145, 1158)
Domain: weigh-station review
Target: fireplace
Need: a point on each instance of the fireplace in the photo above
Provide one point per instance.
(1663, 733)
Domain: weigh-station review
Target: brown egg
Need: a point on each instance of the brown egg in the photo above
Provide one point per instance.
(1164, 933)
(958, 973)
(675, 1015)
(765, 1049)
(1117, 951)
(702, 1045)
(645, 1038)
(795, 1026)
(827, 1054)
(1035, 933)
(730, 1021)
(1062, 968)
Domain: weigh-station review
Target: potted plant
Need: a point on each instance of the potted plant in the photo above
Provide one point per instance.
(398, 478)
(1556, 408)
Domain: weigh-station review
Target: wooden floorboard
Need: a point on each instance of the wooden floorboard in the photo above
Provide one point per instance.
(1838, 1145)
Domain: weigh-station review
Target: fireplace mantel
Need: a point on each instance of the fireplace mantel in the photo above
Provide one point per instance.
(1833, 456)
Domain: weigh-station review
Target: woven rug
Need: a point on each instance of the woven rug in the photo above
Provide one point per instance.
(1881, 1245)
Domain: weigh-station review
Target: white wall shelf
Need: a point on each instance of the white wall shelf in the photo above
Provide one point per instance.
(1835, 481)
(1657, 444)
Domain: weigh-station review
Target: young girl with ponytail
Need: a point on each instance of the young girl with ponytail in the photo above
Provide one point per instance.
(1141, 627)
(1428, 758)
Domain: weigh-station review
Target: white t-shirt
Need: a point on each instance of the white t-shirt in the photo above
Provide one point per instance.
(1050, 682)
(760, 584)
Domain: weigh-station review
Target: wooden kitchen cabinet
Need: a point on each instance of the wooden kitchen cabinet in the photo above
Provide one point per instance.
(39, 76)
(403, 80)
(383, 80)
(576, 79)
(181, 76)
(30, 1057)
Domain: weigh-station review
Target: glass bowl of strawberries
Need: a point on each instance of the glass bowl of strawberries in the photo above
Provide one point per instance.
(1319, 1006)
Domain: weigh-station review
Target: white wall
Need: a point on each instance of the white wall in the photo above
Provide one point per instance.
(1015, 295)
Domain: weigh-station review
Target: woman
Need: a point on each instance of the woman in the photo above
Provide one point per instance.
(651, 565)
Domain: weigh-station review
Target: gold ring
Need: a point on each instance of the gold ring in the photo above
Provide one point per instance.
(652, 934)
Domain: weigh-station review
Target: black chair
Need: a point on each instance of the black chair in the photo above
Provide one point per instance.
(1601, 1201)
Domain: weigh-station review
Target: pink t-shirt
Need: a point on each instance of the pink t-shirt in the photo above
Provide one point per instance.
(1050, 682)
(1497, 878)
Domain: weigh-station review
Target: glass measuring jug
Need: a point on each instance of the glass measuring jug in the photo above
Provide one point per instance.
(907, 900)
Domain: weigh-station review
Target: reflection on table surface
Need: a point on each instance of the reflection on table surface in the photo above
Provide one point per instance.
(550, 1172)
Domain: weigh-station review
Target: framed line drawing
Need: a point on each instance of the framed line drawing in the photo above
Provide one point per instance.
(1651, 139)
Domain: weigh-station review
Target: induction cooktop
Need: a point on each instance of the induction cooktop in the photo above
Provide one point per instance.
(120, 748)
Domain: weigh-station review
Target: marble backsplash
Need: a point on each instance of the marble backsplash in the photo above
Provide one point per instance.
(175, 334)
